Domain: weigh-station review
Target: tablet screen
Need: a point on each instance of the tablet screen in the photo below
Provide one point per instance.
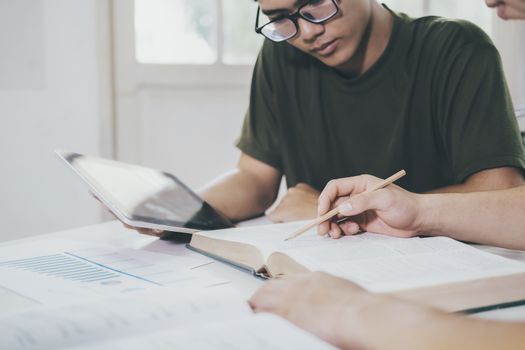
(145, 194)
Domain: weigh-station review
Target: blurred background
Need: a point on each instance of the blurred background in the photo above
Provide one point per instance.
(163, 83)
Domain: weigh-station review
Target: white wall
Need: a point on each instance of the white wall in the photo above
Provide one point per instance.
(190, 132)
(53, 93)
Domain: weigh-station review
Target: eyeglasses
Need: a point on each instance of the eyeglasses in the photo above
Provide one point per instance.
(286, 27)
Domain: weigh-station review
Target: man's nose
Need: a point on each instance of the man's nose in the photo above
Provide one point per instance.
(309, 31)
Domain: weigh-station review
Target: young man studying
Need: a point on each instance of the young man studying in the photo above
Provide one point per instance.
(345, 87)
(357, 88)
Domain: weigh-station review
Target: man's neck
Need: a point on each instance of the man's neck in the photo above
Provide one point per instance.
(373, 44)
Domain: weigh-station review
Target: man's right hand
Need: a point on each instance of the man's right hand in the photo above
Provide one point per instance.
(390, 210)
(144, 231)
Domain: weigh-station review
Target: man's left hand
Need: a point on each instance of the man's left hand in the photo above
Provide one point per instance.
(299, 203)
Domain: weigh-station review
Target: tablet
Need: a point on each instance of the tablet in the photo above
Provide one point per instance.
(145, 197)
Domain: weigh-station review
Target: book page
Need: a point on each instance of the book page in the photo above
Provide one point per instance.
(261, 331)
(377, 262)
(67, 326)
(268, 238)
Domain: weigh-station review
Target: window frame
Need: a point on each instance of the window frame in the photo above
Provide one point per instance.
(137, 74)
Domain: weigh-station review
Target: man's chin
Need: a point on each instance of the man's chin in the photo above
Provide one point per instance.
(333, 61)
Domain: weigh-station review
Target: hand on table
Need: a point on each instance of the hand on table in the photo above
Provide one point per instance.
(316, 302)
(299, 203)
(390, 210)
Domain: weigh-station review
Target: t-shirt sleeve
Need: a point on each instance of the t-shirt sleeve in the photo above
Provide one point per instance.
(479, 127)
(260, 135)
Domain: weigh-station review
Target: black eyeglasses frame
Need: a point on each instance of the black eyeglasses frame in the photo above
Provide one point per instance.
(293, 17)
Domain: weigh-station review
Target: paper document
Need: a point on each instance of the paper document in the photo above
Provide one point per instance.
(262, 331)
(87, 271)
(167, 319)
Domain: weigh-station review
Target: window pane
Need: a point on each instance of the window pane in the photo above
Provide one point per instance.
(241, 43)
(472, 10)
(176, 31)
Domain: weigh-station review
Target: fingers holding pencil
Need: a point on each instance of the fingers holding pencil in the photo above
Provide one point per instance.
(337, 193)
(359, 213)
(390, 210)
(344, 187)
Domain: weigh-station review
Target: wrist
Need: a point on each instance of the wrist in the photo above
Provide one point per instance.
(359, 317)
(430, 213)
(382, 314)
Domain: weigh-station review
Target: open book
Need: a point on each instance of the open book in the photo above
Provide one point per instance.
(170, 319)
(436, 271)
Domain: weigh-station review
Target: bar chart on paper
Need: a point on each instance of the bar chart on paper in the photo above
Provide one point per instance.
(95, 272)
(64, 266)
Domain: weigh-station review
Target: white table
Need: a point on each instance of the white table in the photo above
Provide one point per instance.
(114, 234)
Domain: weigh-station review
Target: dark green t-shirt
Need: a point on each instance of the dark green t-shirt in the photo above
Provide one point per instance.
(435, 104)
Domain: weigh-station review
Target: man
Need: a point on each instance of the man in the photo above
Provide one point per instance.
(357, 88)
(360, 89)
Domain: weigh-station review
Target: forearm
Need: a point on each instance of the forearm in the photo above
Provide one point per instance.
(486, 180)
(492, 218)
(392, 324)
(238, 195)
